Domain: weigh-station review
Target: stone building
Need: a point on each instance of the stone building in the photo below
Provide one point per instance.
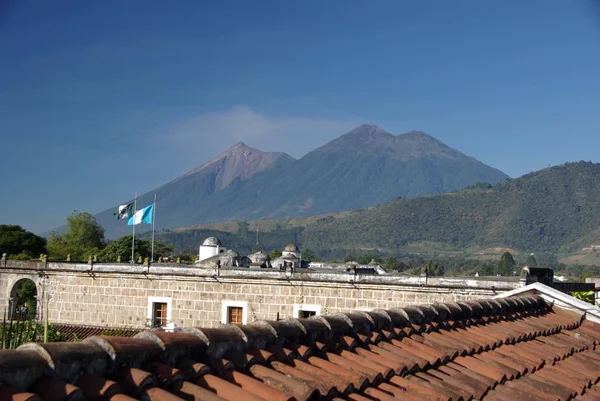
(138, 296)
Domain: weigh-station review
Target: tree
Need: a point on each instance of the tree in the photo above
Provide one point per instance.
(435, 268)
(308, 255)
(243, 229)
(506, 265)
(275, 253)
(393, 264)
(83, 238)
(19, 243)
(531, 262)
(143, 247)
(26, 297)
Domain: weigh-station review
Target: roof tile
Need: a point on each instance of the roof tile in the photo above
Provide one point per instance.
(515, 348)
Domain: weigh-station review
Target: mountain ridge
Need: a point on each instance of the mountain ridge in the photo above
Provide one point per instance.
(552, 211)
(364, 167)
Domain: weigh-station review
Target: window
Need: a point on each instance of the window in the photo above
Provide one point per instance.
(234, 312)
(159, 311)
(305, 314)
(159, 317)
(306, 311)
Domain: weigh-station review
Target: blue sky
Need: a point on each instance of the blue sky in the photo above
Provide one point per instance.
(102, 99)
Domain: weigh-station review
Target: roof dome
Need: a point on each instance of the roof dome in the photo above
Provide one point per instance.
(233, 253)
(259, 257)
(291, 248)
(212, 241)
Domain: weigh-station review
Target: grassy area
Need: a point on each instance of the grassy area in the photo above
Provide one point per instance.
(586, 259)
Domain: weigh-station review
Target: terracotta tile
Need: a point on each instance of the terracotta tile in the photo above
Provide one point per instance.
(396, 366)
(288, 385)
(413, 358)
(343, 384)
(158, 394)
(302, 351)
(225, 389)
(281, 354)
(121, 397)
(373, 374)
(420, 388)
(326, 389)
(255, 387)
(262, 356)
(358, 397)
(97, 387)
(485, 380)
(192, 369)
(505, 366)
(218, 365)
(135, 381)
(57, 390)
(187, 391)
(398, 392)
(10, 394)
(358, 380)
(477, 387)
(460, 384)
(432, 356)
(240, 360)
(445, 389)
(483, 368)
(378, 394)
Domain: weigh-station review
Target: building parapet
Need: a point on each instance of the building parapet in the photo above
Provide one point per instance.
(307, 275)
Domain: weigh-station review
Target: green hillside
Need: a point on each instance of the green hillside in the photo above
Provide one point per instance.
(547, 211)
(552, 211)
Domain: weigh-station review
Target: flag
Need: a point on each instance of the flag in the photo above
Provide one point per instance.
(143, 216)
(124, 211)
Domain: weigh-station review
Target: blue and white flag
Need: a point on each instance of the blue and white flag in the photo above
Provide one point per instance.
(143, 216)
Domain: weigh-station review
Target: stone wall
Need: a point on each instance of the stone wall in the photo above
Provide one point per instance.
(118, 295)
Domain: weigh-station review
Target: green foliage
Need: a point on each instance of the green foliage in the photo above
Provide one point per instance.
(275, 253)
(14, 333)
(435, 268)
(531, 261)
(143, 248)
(587, 296)
(243, 229)
(391, 264)
(540, 212)
(507, 264)
(19, 243)
(308, 256)
(84, 237)
(26, 298)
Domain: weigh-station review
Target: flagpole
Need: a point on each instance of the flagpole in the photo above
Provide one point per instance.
(153, 218)
(133, 237)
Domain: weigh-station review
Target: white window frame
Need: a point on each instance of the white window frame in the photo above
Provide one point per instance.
(306, 307)
(162, 300)
(237, 304)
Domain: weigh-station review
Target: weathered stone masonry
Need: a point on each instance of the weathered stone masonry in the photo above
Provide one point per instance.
(119, 295)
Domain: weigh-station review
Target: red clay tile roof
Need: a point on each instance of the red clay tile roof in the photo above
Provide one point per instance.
(506, 349)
